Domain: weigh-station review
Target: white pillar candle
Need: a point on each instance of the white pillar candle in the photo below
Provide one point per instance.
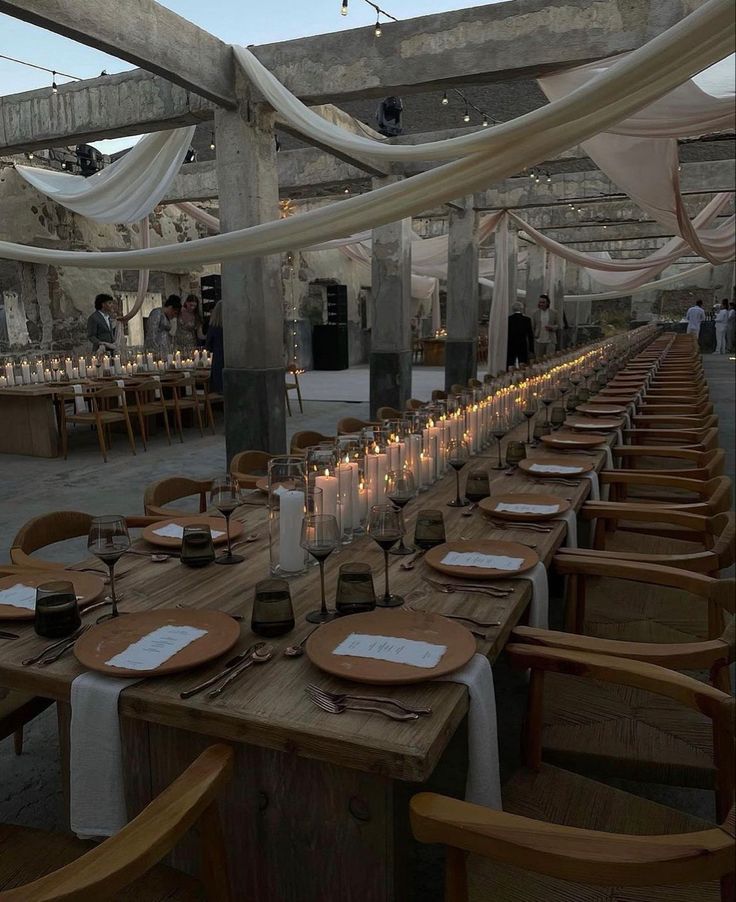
(105, 363)
(75, 373)
(47, 376)
(117, 365)
(177, 360)
(9, 376)
(434, 439)
(25, 372)
(426, 464)
(82, 368)
(362, 505)
(346, 472)
(329, 486)
(195, 357)
(149, 361)
(291, 513)
(414, 449)
(68, 368)
(394, 456)
(3, 382)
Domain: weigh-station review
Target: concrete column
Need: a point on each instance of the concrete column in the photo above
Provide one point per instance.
(253, 380)
(513, 264)
(536, 270)
(390, 358)
(461, 347)
(556, 292)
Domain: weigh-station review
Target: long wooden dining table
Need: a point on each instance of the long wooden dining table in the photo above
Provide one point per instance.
(318, 806)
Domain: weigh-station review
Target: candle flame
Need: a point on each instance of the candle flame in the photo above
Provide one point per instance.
(327, 472)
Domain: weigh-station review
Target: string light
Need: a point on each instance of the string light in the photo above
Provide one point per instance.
(54, 86)
(377, 30)
(212, 140)
(52, 72)
(445, 99)
(466, 115)
(485, 122)
(344, 8)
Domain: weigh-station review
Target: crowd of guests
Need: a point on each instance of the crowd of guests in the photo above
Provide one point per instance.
(175, 326)
(724, 316)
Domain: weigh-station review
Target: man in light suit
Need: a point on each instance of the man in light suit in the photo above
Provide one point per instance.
(546, 324)
(101, 325)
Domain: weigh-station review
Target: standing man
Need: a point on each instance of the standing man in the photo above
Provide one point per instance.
(158, 328)
(101, 325)
(695, 317)
(521, 337)
(546, 324)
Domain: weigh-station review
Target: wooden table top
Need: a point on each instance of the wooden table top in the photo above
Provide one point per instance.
(268, 706)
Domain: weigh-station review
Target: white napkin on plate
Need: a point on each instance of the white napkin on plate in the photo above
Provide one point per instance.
(174, 531)
(483, 783)
(97, 787)
(539, 605)
(19, 596)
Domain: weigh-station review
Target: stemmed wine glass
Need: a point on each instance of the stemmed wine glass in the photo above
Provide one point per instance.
(225, 496)
(548, 399)
(108, 540)
(530, 411)
(320, 537)
(457, 456)
(499, 428)
(386, 527)
(400, 489)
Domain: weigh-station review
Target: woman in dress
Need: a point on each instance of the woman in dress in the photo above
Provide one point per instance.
(214, 345)
(189, 332)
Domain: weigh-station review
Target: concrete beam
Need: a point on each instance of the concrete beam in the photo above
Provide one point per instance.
(143, 33)
(482, 44)
(109, 107)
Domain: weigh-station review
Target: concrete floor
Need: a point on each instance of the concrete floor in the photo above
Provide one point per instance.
(30, 788)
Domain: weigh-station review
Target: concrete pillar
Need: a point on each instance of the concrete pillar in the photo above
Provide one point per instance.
(461, 347)
(536, 269)
(253, 379)
(556, 292)
(390, 358)
(513, 264)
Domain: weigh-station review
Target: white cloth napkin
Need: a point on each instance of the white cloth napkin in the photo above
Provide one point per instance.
(487, 561)
(570, 519)
(539, 605)
(174, 531)
(595, 485)
(187, 383)
(483, 783)
(19, 596)
(97, 789)
(606, 449)
(157, 393)
(80, 405)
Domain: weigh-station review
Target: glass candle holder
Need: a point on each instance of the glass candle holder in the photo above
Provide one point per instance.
(57, 611)
(273, 613)
(287, 490)
(355, 591)
(477, 485)
(557, 416)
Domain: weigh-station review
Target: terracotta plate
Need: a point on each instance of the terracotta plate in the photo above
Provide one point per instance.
(601, 410)
(397, 623)
(104, 640)
(88, 588)
(215, 523)
(562, 462)
(572, 440)
(600, 424)
(490, 505)
(483, 546)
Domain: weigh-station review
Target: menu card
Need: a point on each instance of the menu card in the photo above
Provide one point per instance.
(391, 648)
(174, 531)
(476, 559)
(553, 468)
(157, 647)
(19, 596)
(528, 508)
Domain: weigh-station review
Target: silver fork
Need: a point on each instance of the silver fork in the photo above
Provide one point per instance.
(340, 697)
(44, 662)
(51, 648)
(509, 524)
(334, 708)
(448, 589)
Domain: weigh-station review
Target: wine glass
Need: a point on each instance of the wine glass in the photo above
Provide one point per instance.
(400, 489)
(225, 496)
(499, 428)
(530, 411)
(108, 540)
(548, 399)
(457, 456)
(320, 537)
(386, 527)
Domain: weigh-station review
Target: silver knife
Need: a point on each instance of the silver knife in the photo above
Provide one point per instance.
(229, 666)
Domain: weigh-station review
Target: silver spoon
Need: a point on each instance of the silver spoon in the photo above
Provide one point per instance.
(296, 651)
(409, 565)
(259, 656)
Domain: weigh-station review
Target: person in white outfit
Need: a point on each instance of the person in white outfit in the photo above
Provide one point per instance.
(722, 327)
(695, 317)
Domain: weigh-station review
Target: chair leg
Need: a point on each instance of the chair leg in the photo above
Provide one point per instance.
(131, 437)
(288, 405)
(198, 412)
(177, 413)
(299, 394)
(166, 424)
(142, 427)
(18, 741)
(209, 414)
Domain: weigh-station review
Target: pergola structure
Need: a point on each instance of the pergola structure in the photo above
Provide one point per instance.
(187, 76)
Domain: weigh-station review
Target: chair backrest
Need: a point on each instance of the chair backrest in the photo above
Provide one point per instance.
(439, 395)
(247, 467)
(414, 404)
(349, 425)
(302, 440)
(388, 413)
(173, 488)
(44, 530)
(457, 389)
(117, 862)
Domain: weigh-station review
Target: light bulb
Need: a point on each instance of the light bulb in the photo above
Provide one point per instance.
(344, 8)
(531, 175)
(377, 30)
(485, 121)
(212, 140)
(549, 179)
(54, 86)
(63, 164)
(30, 154)
(346, 190)
(445, 99)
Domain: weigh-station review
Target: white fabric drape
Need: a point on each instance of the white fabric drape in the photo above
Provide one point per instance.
(128, 190)
(142, 282)
(642, 158)
(498, 322)
(702, 38)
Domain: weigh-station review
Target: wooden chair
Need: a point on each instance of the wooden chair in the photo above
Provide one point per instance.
(174, 488)
(699, 496)
(349, 425)
(44, 867)
(457, 389)
(247, 467)
(57, 526)
(179, 393)
(99, 415)
(564, 836)
(439, 395)
(149, 402)
(696, 464)
(292, 385)
(388, 413)
(207, 397)
(673, 422)
(307, 438)
(414, 404)
(627, 733)
(475, 383)
(698, 439)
